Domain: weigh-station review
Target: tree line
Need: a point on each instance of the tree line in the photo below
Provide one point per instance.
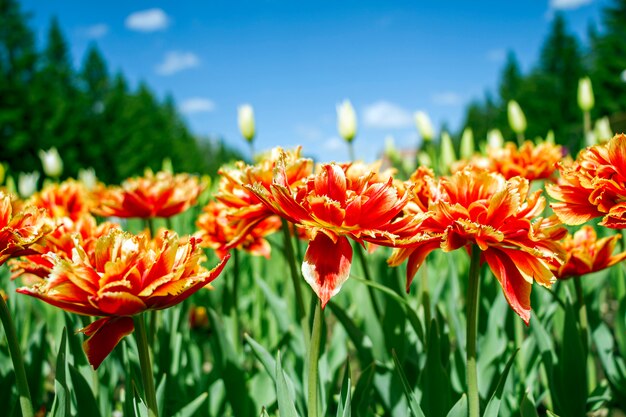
(94, 118)
(548, 92)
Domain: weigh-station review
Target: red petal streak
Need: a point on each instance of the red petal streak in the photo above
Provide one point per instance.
(104, 334)
(326, 265)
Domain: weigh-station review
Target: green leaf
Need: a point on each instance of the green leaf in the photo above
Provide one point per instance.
(62, 400)
(160, 393)
(360, 340)
(460, 408)
(86, 404)
(528, 408)
(192, 407)
(416, 410)
(362, 392)
(344, 407)
(286, 404)
(493, 407)
(434, 381)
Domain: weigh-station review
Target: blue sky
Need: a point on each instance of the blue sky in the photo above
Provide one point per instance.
(295, 61)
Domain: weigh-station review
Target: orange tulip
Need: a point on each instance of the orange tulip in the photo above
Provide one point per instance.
(22, 232)
(585, 253)
(335, 204)
(67, 199)
(217, 230)
(593, 186)
(154, 195)
(244, 208)
(125, 275)
(498, 215)
(533, 162)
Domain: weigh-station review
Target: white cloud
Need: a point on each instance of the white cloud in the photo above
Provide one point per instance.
(496, 55)
(334, 143)
(384, 114)
(568, 4)
(96, 31)
(447, 98)
(176, 61)
(147, 20)
(197, 105)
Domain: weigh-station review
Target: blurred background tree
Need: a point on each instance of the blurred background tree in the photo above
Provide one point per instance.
(92, 118)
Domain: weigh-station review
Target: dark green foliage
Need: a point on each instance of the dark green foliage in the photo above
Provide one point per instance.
(93, 119)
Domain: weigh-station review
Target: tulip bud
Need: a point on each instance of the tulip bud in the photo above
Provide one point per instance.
(623, 76)
(88, 178)
(245, 118)
(495, 139)
(27, 183)
(346, 120)
(467, 143)
(51, 162)
(585, 94)
(550, 137)
(3, 172)
(448, 156)
(517, 120)
(603, 129)
(424, 159)
(424, 126)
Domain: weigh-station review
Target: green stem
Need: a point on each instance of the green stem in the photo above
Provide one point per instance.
(520, 139)
(472, 319)
(235, 302)
(18, 361)
(351, 154)
(314, 354)
(426, 298)
(368, 277)
(293, 269)
(582, 312)
(145, 364)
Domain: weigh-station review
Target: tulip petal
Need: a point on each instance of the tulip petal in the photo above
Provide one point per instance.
(326, 265)
(103, 335)
(516, 288)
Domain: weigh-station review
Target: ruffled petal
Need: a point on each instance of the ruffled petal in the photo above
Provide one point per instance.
(103, 335)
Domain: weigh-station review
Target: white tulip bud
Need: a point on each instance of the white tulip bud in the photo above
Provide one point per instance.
(495, 139)
(245, 117)
(51, 162)
(467, 143)
(346, 120)
(550, 137)
(448, 156)
(424, 126)
(623, 76)
(517, 120)
(585, 94)
(603, 129)
(424, 159)
(88, 178)
(27, 183)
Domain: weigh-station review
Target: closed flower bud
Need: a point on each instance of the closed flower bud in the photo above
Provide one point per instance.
(27, 183)
(88, 178)
(495, 139)
(467, 143)
(517, 120)
(585, 94)
(346, 120)
(245, 118)
(448, 156)
(603, 129)
(424, 126)
(51, 162)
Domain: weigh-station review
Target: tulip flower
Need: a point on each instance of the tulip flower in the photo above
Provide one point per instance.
(585, 94)
(27, 183)
(495, 139)
(517, 120)
(122, 276)
(424, 126)
(603, 130)
(245, 118)
(51, 162)
(467, 143)
(69, 198)
(346, 120)
(88, 178)
(447, 156)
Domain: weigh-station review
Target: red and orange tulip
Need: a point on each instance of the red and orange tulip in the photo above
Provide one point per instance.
(123, 276)
(498, 215)
(154, 195)
(593, 186)
(585, 253)
(22, 232)
(67, 199)
(217, 231)
(334, 204)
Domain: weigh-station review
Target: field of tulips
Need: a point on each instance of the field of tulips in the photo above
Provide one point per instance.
(489, 285)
